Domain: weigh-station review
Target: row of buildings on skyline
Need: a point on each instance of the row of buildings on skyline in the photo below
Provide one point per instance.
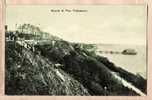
(26, 32)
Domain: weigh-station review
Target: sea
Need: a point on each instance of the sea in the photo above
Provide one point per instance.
(136, 64)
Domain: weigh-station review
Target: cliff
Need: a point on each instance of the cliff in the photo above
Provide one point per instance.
(58, 67)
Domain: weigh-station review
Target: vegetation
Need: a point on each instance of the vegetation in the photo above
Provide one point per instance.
(57, 67)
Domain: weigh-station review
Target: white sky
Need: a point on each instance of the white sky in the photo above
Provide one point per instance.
(112, 24)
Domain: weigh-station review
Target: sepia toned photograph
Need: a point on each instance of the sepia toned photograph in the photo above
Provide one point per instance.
(76, 50)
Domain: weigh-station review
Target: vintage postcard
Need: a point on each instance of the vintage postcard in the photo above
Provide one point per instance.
(75, 50)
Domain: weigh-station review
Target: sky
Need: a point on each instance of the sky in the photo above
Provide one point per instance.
(107, 24)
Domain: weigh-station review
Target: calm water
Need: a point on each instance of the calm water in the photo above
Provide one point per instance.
(132, 63)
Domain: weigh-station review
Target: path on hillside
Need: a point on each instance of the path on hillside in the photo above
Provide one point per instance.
(128, 84)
